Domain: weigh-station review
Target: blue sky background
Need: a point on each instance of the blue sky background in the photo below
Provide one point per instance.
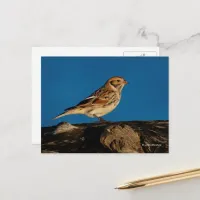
(68, 80)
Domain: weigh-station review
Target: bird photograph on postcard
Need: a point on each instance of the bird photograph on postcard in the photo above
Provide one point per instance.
(104, 104)
(101, 102)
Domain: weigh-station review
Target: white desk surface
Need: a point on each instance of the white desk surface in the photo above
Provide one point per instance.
(172, 25)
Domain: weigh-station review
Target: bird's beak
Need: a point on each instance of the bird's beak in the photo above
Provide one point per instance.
(125, 82)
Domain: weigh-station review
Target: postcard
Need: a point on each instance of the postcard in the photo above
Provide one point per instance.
(45, 57)
(104, 104)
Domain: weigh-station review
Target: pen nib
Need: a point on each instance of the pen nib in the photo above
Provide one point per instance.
(129, 186)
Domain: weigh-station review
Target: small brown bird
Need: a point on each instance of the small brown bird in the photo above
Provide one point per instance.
(101, 102)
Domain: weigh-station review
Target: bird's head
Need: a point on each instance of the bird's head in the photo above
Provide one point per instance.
(116, 83)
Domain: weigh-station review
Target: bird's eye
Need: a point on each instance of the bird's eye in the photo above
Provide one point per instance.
(118, 80)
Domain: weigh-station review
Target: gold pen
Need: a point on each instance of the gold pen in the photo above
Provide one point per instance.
(156, 180)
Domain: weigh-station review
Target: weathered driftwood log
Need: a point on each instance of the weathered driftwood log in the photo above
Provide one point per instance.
(107, 137)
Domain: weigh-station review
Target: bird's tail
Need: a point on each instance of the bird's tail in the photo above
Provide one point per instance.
(68, 111)
(61, 115)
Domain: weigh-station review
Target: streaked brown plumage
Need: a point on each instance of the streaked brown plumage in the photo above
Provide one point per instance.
(101, 102)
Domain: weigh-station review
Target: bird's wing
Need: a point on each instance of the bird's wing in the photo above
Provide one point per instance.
(100, 101)
(93, 101)
(85, 102)
(99, 97)
(96, 93)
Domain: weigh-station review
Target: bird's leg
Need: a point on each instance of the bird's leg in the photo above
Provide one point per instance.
(100, 119)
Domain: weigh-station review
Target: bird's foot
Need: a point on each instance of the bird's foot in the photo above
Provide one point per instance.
(101, 120)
